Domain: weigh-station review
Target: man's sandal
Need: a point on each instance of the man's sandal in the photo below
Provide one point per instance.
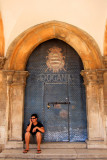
(25, 151)
(38, 151)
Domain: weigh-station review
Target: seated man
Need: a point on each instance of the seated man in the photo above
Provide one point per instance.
(34, 128)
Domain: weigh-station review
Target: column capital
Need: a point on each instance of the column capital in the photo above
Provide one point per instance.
(8, 76)
(94, 77)
(19, 77)
(15, 77)
(105, 61)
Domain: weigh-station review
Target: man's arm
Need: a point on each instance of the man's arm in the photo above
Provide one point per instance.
(29, 127)
(41, 129)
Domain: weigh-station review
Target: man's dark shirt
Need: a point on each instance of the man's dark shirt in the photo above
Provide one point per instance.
(33, 126)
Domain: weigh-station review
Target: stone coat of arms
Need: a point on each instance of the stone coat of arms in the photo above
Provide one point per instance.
(55, 60)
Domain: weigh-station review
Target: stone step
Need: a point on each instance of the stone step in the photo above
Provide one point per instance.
(54, 159)
(61, 145)
(55, 154)
(20, 144)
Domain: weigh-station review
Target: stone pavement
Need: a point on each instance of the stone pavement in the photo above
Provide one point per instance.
(55, 154)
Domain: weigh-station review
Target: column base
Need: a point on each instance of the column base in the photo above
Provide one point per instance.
(14, 144)
(96, 144)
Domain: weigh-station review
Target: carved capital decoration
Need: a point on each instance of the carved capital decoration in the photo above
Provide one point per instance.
(93, 77)
(19, 78)
(9, 76)
(105, 61)
(16, 77)
(2, 62)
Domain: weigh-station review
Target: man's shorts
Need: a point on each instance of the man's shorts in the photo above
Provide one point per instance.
(33, 138)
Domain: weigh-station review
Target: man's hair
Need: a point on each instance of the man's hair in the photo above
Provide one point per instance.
(35, 115)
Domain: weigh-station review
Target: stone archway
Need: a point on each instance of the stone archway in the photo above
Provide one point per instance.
(18, 54)
(21, 48)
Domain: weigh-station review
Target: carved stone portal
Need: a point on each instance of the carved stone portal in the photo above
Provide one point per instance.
(13, 79)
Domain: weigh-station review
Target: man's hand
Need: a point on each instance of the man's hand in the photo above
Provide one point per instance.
(29, 127)
(34, 129)
(31, 121)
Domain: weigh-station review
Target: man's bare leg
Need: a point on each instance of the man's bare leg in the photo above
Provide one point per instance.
(27, 139)
(39, 139)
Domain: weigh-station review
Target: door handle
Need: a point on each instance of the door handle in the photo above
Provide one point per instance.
(48, 105)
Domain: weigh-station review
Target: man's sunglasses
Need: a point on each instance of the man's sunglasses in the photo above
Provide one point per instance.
(33, 118)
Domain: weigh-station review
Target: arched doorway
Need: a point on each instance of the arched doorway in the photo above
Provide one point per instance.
(55, 91)
(17, 57)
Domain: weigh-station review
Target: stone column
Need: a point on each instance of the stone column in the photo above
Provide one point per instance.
(3, 102)
(93, 81)
(16, 81)
(17, 104)
(9, 81)
(105, 91)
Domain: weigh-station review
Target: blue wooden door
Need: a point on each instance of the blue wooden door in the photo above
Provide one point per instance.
(54, 81)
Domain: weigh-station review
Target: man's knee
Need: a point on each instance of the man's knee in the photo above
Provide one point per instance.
(27, 134)
(38, 134)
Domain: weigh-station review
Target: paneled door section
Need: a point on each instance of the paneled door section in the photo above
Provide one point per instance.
(56, 112)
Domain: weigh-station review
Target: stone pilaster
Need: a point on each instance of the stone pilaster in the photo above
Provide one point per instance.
(94, 82)
(18, 92)
(105, 83)
(105, 91)
(8, 82)
(16, 81)
(3, 97)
